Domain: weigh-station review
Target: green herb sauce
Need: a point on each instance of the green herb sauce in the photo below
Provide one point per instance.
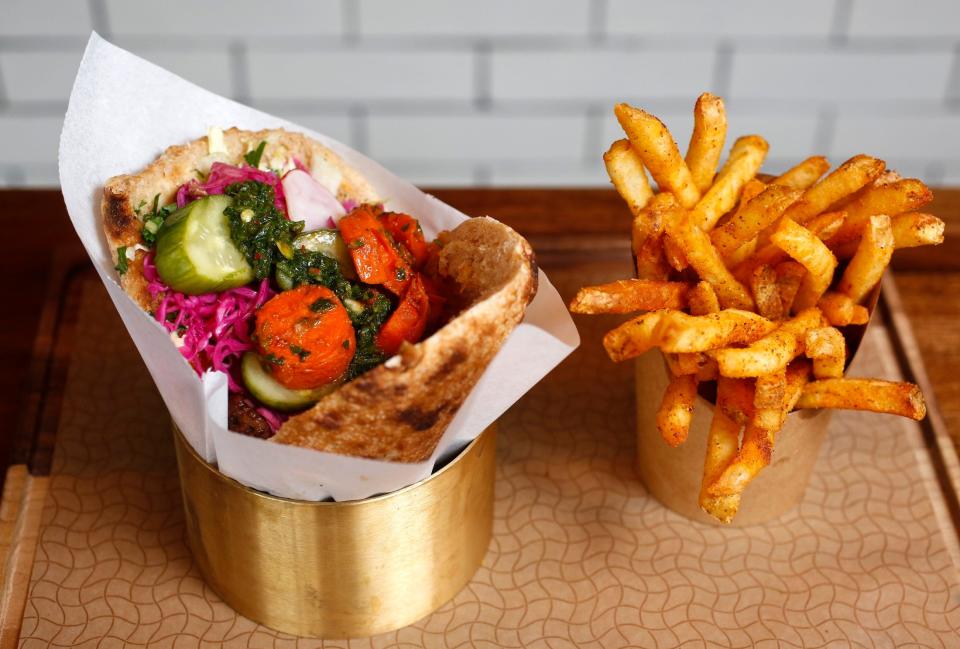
(263, 231)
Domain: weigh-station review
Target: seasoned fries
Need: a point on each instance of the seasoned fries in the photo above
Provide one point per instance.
(812, 254)
(772, 352)
(676, 409)
(628, 175)
(630, 295)
(828, 349)
(659, 153)
(902, 399)
(871, 259)
(738, 284)
(706, 142)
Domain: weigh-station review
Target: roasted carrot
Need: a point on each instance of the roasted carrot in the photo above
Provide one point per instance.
(376, 259)
(409, 320)
(406, 232)
(305, 337)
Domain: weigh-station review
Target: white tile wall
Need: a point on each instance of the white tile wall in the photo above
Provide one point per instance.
(360, 75)
(715, 20)
(504, 92)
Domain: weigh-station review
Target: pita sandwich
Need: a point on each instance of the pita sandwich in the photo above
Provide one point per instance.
(399, 409)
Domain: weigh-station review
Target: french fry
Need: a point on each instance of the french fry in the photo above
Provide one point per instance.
(789, 276)
(676, 409)
(897, 197)
(766, 293)
(703, 257)
(840, 310)
(871, 259)
(752, 218)
(678, 332)
(803, 175)
(738, 401)
(723, 441)
(828, 350)
(706, 142)
(915, 229)
(874, 395)
(628, 175)
(910, 230)
(702, 299)
(823, 226)
(745, 159)
(843, 181)
(647, 237)
(771, 353)
(774, 397)
(659, 153)
(629, 295)
(687, 363)
(813, 254)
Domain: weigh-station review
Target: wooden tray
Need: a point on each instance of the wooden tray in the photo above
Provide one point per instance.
(95, 556)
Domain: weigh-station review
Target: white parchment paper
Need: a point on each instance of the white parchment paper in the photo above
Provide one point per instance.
(123, 113)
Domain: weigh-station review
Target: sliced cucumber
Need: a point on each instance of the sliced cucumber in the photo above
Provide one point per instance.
(268, 391)
(195, 253)
(329, 243)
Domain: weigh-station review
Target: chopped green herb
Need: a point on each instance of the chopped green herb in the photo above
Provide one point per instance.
(321, 306)
(153, 219)
(122, 260)
(262, 236)
(356, 243)
(401, 274)
(253, 157)
(273, 360)
(299, 351)
(346, 344)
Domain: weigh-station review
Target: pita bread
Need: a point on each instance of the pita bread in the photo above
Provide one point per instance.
(398, 410)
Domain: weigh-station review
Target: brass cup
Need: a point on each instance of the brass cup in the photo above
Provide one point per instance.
(340, 570)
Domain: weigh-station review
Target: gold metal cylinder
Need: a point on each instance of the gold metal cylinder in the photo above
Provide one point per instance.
(340, 570)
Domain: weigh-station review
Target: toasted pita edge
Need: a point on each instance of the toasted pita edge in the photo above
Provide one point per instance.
(178, 164)
(399, 410)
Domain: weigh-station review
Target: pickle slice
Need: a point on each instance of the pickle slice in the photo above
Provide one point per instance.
(329, 243)
(195, 253)
(268, 391)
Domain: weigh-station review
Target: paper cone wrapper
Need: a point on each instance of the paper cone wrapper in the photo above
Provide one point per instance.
(673, 475)
(123, 113)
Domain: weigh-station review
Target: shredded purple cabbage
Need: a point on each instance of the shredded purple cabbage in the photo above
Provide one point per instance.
(221, 175)
(214, 327)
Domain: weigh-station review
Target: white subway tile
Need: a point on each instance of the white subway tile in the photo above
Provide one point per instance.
(896, 18)
(248, 19)
(209, 69)
(44, 18)
(476, 137)
(549, 173)
(335, 126)
(38, 76)
(892, 138)
(488, 18)
(607, 74)
(726, 19)
(433, 174)
(840, 75)
(349, 75)
(29, 140)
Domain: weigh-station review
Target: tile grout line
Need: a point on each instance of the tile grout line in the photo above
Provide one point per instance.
(840, 24)
(597, 21)
(483, 76)
(723, 68)
(240, 71)
(100, 18)
(350, 22)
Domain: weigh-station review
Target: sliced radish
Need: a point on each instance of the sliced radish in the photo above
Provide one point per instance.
(309, 201)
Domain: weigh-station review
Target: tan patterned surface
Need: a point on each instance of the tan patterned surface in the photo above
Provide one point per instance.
(580, 556)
